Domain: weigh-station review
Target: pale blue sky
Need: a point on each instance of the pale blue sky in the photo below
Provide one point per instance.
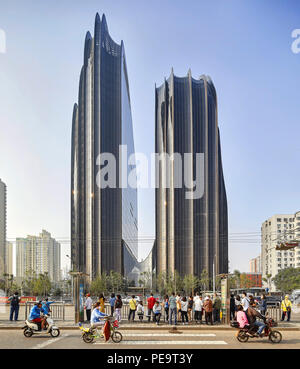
(245, 46)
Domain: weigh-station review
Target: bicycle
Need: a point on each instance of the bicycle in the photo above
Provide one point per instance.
(89, 335)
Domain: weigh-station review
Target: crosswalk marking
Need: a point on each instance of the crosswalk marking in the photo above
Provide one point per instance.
(183, 343)
(49, 342)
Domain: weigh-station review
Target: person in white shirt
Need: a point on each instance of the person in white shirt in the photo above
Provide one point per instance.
(184, 309)
(88, 307)
(157, 312)
(198, 304)
(245, 302)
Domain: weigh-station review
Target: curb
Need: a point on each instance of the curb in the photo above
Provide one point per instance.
(163, 328)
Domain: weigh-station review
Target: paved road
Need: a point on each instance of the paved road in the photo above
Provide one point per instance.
(71, 339)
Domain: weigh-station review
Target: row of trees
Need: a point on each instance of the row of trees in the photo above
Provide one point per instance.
(33, 284)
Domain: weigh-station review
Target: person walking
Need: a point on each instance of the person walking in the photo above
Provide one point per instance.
(245, 302)
(112, 301)
(184, 310)
(198, 305)
(150, 303)
(88, 306)
(208, 308)
(172, 309)
(286, 307)
(118, 307)
(190, 308)
(132, 308)
(14, 306)
(217, 308)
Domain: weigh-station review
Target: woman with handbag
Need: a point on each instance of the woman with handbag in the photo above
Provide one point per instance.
(286, 307)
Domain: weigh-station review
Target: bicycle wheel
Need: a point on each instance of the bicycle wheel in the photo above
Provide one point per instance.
(116, 337)
(275, 336)
(87, 337)
(242, 337)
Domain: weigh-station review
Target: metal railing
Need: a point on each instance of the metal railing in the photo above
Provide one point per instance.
(57, 310)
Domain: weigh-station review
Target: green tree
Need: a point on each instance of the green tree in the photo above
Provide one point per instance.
(204, 280)
(268, 280)
(99, 284)
(190, 282)
(287, 280)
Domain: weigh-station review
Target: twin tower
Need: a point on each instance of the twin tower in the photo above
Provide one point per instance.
(191, 232)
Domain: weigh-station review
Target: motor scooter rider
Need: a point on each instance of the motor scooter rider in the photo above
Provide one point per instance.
(97, 317)
(46, 306)
(252, 314)
(35, 315)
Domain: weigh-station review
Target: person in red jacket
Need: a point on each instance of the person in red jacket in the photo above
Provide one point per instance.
(151, 301)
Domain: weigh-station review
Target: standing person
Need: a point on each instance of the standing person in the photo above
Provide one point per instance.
(178, 304)
(217, 308)
(88, 306)
(190, 307)
(140, 311)
(173, 308)
(118, 307)
(198, 304)
(245, 302)
(14, 306)
(166, 307)
(157, 312)
(112, 301)
(232, 307)
(132, 308)
(102, 303)
(184, 309)
(263, 304)
(150, 303)
(286, 307)
(208, 308)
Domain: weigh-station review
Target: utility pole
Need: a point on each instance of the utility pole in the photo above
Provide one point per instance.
(78, 294)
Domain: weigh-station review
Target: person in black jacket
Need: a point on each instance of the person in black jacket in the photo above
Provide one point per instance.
(232, 307)
(252, 314)
(14, 306)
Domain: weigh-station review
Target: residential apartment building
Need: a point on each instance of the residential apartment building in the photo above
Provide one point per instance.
(40, 254)
(255, 265)
(278, 229)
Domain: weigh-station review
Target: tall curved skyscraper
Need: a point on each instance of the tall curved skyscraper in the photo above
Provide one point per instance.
(191, 234)
(103, 220)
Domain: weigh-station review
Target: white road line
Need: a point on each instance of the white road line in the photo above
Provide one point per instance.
(162, 343)
(169, 335)
(48, 342)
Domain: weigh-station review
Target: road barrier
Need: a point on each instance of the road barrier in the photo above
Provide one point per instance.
(57, 310)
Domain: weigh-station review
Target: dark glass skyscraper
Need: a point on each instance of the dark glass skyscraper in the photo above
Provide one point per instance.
(103, 220)
(191, 234)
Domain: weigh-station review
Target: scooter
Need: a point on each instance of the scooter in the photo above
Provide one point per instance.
(31, 328)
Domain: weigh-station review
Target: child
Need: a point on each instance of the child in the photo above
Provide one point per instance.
(140, 311)
(157, 312)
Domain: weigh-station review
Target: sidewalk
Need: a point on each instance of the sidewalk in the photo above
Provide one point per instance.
(69, 324)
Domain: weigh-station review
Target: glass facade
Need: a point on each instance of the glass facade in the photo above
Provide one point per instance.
(191, 234)
(103, 220)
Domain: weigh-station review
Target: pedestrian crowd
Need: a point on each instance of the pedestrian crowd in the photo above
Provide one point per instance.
(174, 308)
